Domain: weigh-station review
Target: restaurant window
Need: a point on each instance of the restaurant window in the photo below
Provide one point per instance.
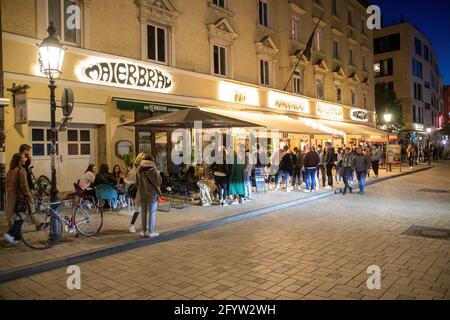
(264, 76)
(297, 83)
(157, 44)
(263, 13)
(78, 142)
(63, 15)
(320, 94)
(220, 58)
(295, 28)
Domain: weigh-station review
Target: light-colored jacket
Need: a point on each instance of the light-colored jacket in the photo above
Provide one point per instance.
(15, 179)
(87, 180)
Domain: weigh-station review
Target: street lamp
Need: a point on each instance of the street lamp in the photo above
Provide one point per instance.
(387, 119)
(51, 56)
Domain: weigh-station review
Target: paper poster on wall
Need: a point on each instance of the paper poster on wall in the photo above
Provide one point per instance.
(21, 108)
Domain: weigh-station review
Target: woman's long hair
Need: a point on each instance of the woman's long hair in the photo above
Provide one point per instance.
(90, 168)
(15, 161)
(116, 174)
(138, 159)
(104, 168)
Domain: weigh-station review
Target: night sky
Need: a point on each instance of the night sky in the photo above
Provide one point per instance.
(432, 17)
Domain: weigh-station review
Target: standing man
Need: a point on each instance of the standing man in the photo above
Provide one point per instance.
(347, 164)
(321, 168)
(297, 178)
(328, 160)
(375, 158)
(410, 154)
(311, 162)
(286, 169)
(362, 165)
(25, 150)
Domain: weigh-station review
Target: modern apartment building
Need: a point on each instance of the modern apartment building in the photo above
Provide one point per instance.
(406, 61)
(132, 59)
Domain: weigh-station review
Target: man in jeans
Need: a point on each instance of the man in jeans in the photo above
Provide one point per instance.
(311, 161)
(362, 165)
(321, 167)
(328, 160)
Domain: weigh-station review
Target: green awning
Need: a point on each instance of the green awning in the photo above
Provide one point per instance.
(148, 106)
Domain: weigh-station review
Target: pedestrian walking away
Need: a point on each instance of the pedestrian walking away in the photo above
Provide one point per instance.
(311, 162)
(329, 159)
(362, 165)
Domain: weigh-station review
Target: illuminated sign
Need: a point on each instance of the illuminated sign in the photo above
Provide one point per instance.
(418, 126)
(329, 111)
(125, 74)
(288, 103)
(230, 92)
(359, 115)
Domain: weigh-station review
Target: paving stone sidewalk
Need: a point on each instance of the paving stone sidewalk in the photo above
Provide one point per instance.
(115, 228)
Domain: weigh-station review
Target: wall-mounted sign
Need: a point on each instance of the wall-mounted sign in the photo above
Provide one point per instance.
(230, 92)
(329, 111)
(20, 108)
(288, 103)
(147, 106)
(125, 74)
(359, 115)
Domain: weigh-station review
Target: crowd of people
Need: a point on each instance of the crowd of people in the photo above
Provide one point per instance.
(305, 169)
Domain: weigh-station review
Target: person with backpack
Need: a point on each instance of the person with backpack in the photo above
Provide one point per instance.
(148, 182)
(286, 169)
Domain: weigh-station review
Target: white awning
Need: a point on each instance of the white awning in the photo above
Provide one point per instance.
(353, 128)
(282, 123)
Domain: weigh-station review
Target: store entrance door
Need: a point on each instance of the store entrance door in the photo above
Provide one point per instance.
(75, 151)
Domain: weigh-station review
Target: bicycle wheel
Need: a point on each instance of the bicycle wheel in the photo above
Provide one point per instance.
(88, 219)
(44, 185)
(40, 231)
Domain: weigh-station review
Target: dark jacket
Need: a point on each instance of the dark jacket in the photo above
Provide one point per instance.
(287, 163)
(362, 163)
(311, 160)
(16, 186)
(348, 161)
(329, 157)
(148, 181)
(299, 163)
(105, 178)
(26, 166)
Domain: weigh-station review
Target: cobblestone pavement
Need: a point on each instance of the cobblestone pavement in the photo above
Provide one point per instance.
(319, 250)
(115, 229)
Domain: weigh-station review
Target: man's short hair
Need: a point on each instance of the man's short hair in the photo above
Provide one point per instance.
(24, 147)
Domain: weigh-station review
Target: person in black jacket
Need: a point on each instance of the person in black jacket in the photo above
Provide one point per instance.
(221, 171)
(286, 169)
(105, 177)
(328, 160)
(310, 162)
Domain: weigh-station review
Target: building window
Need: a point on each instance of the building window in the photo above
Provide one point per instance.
(426, 53)
(338, 94)
(418, 46)
(318, 40)
(219, 57)
(334, 9)
(384, 68)
(350, 57)
(387, 44)
(320, 94)
(365, 100)
(295, 28)
(156, 44)
(41, 142)
(414, 114)
(264, 72)
(390, 87)
(219, 3)
(417, 68)
(349, 17)
(263, 13)
(60, 12)
(418, 92)
(335, 49)
(364, 66)
(353, 97)
(297, 83)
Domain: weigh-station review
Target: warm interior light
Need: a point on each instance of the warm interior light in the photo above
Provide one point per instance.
(387, 117)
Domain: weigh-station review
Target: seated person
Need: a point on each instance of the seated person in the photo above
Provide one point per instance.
(191, 179)
(106, 178)
(86, 182)
(120, 185)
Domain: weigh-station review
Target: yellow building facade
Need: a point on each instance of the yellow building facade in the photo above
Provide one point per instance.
(127, 60)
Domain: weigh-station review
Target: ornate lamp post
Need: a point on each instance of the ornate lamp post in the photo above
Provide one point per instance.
(51, 56)
(387, 119)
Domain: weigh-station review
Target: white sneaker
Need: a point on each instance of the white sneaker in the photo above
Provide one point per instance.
(132, 229)
(306, 191)
(153, 235)
(10, 238)
(124, 205)
(235, 202)
(206, 205)
(288, 190)
(224, 204)
(143, 234)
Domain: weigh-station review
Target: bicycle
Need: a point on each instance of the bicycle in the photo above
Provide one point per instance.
(41, 188)
(43, 228)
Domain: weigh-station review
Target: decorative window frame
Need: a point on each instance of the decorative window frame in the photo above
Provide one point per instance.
(222, 34)
(159, 13)
(83, 35)
(268, 51)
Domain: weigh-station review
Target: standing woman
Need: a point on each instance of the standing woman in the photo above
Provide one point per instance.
(18, 197)
(236, 179)
(221, 178)
(130, 181)
(148, 182)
